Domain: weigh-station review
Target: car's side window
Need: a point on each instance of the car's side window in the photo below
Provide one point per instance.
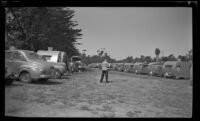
(18, 56)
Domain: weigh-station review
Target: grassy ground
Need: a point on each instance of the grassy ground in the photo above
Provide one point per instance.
(81, 95)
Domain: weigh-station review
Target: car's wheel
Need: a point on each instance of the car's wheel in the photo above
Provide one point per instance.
(58, 74)
(25, 77)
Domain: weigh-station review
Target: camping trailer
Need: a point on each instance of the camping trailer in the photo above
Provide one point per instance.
(56, 58)
(176, 69)
(144, 69)
(136, 67)
(156, 69)
(127, 66)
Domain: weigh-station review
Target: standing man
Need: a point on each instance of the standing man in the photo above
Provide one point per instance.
(104, 67)
(71, 67)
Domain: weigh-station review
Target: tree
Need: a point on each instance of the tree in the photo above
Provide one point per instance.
(157, 52)
(36, 28)
(142, 58)
(148, 59)
(165, 58)
(183, 58)
(171, 57)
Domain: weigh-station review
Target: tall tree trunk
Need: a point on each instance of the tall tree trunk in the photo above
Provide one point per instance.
(157, 58)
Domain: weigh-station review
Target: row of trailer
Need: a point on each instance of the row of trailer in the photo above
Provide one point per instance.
(169, 69)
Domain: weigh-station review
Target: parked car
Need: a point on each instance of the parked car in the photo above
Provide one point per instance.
(176, 69)
(156, 69)
(27, 65)
(57, 59)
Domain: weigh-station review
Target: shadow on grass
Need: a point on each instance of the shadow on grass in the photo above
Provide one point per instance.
(46, 82)
(65, 77)
(13, 85)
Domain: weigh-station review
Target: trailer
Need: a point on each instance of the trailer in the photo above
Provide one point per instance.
(156, 69)
(177, 69)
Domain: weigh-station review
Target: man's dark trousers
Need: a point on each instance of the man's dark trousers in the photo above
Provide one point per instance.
(104, 72)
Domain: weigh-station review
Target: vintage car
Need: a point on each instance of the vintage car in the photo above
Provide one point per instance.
(27, 65)
(156, 69)
(57, 59)
(176, 69)
(78, 65)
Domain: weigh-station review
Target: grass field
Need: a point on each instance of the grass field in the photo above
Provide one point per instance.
(81, 95)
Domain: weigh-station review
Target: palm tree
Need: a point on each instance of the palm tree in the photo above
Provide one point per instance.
(157, 52)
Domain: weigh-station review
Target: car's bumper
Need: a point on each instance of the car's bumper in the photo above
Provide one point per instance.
(42, 76)
(169, 75)
(11, 76)
(36, 76)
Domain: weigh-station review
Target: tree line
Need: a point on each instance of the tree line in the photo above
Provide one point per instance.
(37, 28)
(101, 55)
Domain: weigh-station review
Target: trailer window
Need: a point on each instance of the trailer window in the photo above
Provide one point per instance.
(47, 57)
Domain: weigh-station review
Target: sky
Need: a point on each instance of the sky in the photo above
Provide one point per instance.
(134, 31)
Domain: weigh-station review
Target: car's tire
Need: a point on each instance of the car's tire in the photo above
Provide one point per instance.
(58, 74)
(25, 77)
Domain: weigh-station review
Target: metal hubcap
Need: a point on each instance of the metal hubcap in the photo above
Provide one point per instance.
(25, 77)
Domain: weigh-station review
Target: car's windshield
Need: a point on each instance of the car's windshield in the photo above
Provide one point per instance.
(33, 56)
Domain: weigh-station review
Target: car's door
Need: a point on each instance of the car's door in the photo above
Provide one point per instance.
(18, 61)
